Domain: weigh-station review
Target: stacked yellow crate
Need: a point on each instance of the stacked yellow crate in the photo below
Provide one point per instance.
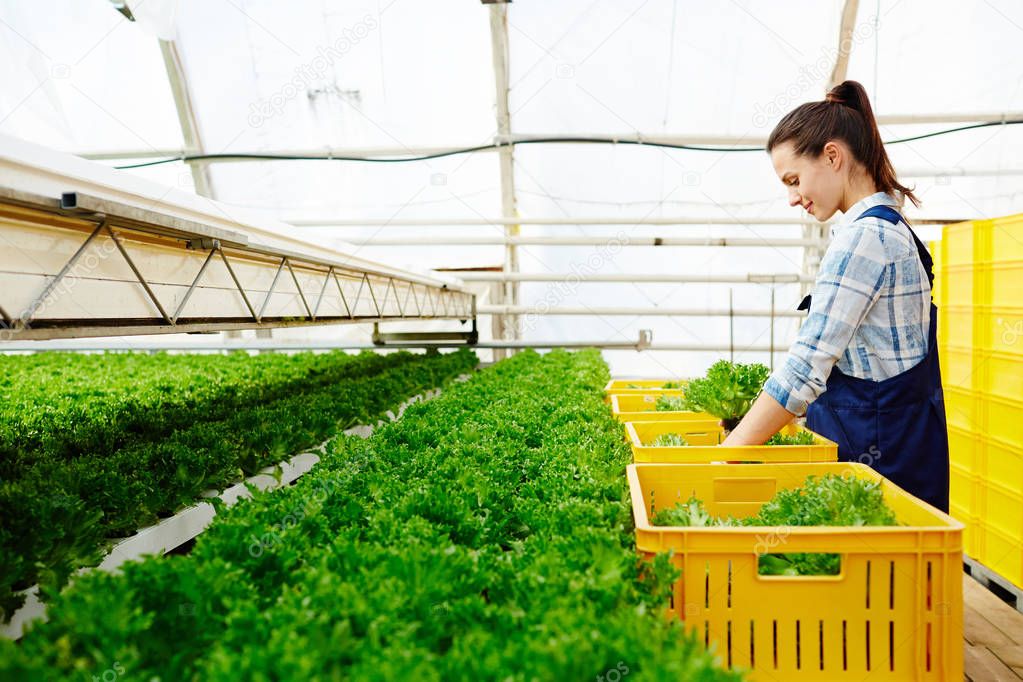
(953, 293)
(979, 291)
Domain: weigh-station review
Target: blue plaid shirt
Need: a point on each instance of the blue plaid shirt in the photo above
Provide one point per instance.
(870, 311)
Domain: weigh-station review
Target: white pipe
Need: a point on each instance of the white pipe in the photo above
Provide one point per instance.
(775, 278)
(978, 117)
(585, 241)
(580, 220)
(43, 346)
(505, 328)
(957, 171)
(636, 311)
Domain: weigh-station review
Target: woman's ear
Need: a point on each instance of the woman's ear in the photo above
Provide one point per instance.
(833, 155)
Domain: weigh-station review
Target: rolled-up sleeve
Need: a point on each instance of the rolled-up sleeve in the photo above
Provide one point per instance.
(849, 283)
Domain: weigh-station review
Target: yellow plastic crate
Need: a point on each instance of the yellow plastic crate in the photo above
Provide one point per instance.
(998, 329)
(955, 327)
(959, 512)
(1002, 509)
(643, 408)
(701, 433)
(957, 244)
(962, 409)
(963, 502)
(1000, 553)
(1002, 420)
(640, 387)
(1001, 464)
(998, 374)
(959, 284)
(958, 368)
(963, 493)
(703, 447)
(1003, 283)
(964, 449)
(971, 537)
(893, 613)
(1006, 238)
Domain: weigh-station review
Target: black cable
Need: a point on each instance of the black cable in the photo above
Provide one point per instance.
(544, 140)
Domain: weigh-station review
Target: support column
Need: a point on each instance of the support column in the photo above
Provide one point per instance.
(507, 325)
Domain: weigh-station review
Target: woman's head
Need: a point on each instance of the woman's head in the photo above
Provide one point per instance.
(825, 151)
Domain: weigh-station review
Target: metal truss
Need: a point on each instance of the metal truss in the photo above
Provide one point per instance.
(351, 293)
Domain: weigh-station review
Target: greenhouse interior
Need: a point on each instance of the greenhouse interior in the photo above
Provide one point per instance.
(520, 341)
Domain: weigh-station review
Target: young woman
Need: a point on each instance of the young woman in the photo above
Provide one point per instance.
(864, 367)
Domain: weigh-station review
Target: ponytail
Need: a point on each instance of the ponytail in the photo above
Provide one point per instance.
(845, 114)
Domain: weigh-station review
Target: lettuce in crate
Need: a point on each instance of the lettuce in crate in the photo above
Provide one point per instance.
(728, 390)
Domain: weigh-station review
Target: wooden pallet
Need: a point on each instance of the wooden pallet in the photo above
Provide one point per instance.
(992, 634)
(994, 582)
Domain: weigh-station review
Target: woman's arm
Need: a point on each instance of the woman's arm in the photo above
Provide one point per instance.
(764, 419)
(852, 274)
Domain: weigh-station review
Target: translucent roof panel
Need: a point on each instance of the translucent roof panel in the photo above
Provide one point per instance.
(338, 73)
(78, 76)
(372, 76)
(268, 76)
(699, 68)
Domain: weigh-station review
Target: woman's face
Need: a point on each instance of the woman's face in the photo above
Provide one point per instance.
(815, 184)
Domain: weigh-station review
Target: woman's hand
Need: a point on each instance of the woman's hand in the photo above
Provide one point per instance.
(764, 419)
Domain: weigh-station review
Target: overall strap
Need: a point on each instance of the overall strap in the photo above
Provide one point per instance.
(889, 214)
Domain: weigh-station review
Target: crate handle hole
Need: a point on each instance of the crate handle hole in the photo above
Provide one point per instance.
(800, 565)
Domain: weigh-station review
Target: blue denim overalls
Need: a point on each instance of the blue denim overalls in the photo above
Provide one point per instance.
(896, 426)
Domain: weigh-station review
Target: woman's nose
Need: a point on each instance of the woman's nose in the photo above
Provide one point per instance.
(794, 198)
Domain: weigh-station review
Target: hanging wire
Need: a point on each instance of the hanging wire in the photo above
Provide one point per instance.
(544, 140)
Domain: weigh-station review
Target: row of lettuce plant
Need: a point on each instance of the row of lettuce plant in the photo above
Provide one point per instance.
(486, 535)
(60, 514)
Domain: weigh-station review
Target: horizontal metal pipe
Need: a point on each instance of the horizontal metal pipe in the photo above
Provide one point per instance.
(327, 221)
(589, 241)
(774, 278)
(484, 309)
(956, 171)
(606, 345)
(321, 222)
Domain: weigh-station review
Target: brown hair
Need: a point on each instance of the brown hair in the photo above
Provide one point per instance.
(845, 114)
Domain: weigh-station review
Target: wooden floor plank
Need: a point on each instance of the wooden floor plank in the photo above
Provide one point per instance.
(984, 666)
(979, 630)
(991, 632)
(1006, 618)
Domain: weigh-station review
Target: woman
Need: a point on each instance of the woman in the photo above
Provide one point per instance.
(864, 367)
